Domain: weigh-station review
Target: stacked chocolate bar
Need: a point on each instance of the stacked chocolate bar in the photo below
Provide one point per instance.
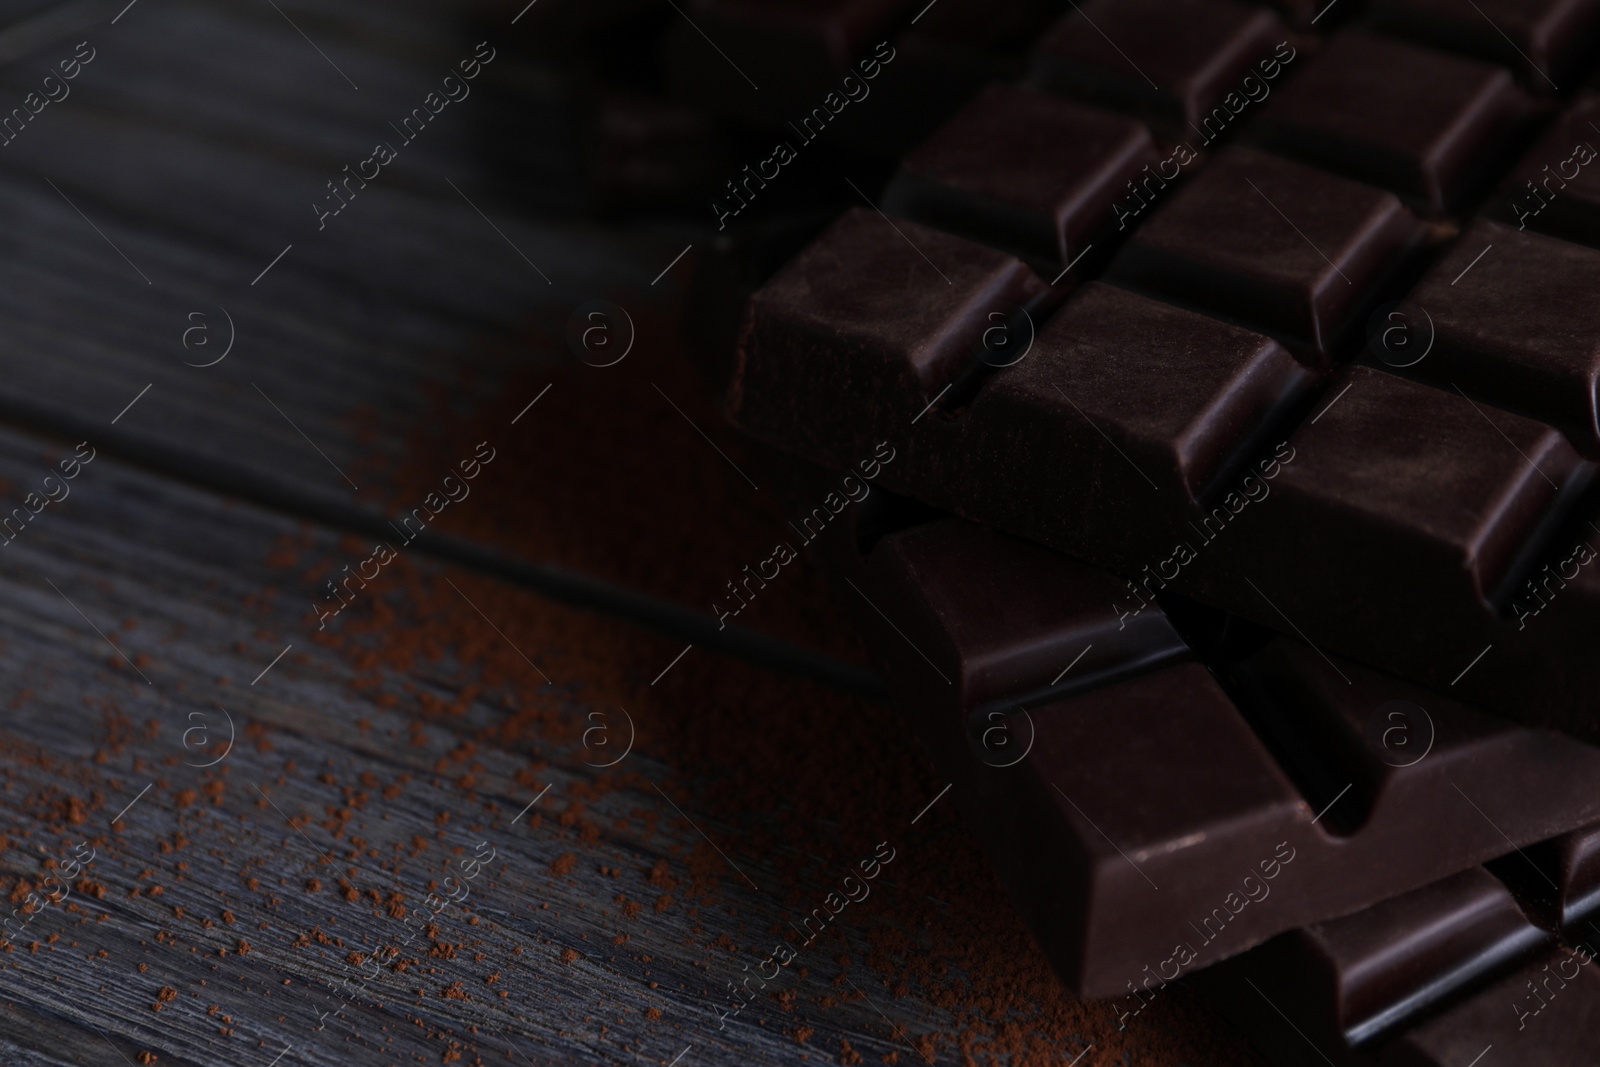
(1236, 558)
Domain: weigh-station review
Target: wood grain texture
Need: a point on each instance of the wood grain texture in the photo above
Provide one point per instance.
(161, 570)
(197, 142)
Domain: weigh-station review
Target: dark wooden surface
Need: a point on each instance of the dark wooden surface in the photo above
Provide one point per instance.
(373, 758)
(163, 571)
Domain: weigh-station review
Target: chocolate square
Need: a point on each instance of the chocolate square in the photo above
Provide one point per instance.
(1396, 484)
(1556, 187)
(1518, 327)
(887, 313)
(1273, 244)
(1123, 390)
(1168, 59)
(1019, 168)
(1422, 123)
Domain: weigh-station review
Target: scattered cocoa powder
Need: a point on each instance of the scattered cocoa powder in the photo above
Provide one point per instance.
(806, 779)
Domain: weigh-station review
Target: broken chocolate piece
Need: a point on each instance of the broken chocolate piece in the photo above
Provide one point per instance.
(1157, 775)
(894, 308)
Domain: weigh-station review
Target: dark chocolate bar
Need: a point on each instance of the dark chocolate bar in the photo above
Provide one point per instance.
(1142, 786)
(1439, 528)
(1177, 799)
(1143, 437)
(1325, 417)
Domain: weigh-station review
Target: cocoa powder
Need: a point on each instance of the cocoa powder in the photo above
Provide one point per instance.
(606, 477)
